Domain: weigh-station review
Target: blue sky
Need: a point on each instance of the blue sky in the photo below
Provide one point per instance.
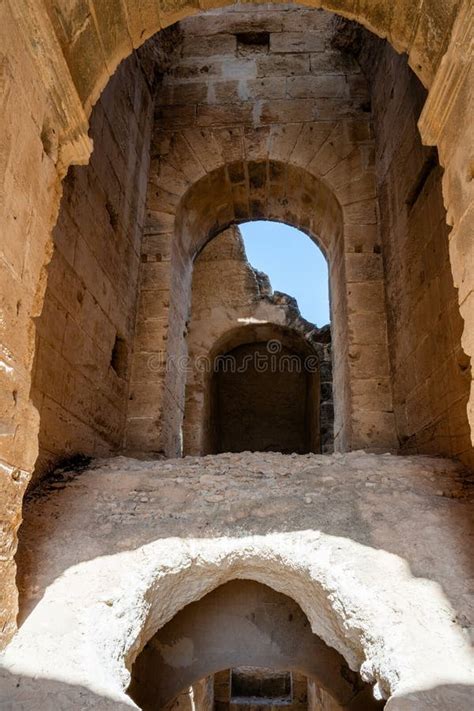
(294, 264)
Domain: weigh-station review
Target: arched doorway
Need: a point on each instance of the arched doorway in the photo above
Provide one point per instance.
(240, 624)
(20, 451)
(285, 373)
(265, 398)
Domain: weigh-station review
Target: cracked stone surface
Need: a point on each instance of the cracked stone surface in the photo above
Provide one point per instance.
(374, 548)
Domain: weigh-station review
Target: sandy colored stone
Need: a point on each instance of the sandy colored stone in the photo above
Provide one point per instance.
(57, 57)
(118, 567)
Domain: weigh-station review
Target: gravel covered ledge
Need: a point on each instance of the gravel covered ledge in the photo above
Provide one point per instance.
(374, 549)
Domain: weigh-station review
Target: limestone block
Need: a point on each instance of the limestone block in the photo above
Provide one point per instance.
(318, 87)
(362, 267)
(283, 65)
(151, 335)
(366, 297)
(461, 253)
(230, 114)
(368, 361)
(363, 212)
(287, 110)
(310, 139)
(215, 44)
(373, 426)
(143, 399)
(295, 42)
(372, 394)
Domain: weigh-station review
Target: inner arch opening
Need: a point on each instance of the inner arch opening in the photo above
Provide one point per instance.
(265, 397)
(260, 376)
(245, 626)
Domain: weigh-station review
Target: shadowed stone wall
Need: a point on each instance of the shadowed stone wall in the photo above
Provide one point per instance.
(222, 690)
(259, 116)
(431, 374)
(198, 697)
(271, 411)
(85, 331)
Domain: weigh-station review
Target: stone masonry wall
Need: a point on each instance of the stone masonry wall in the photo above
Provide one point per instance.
(430, 371)
(259, 116)
(29, 189)
(222, 693)
(85, 331)
(198, 697)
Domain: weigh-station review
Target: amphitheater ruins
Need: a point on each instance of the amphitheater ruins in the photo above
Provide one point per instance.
(179, 531)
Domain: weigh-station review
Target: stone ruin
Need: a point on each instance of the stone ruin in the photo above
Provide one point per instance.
(284, 403)
(183, 537)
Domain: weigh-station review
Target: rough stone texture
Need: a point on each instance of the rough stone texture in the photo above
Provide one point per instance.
(234, 306)
(263, 129)
(29, 193)
(265, 678)
(446, 121)
(422, 31)
(213, 694)
(431, 373)
(241, 622)
(256, 410)
(85, 331)
(320, 700)
(52, 69)
(373, 548)
(222, 688)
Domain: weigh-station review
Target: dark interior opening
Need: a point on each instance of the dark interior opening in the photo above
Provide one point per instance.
(264, 685)
(265, 401)
(119, 357)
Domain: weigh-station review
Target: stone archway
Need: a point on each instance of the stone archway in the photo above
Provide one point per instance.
(53, 134)
(241, 623)
(93, 47)
(233, 305)
(263, 394)
(277, 190)
(99, 603)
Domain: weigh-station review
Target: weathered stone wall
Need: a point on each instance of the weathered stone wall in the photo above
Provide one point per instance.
(240, 623)
(96, 37)
(447, 121)
(85, 331)
(275, 410)
(431, 374)
(275, 123)
(233, 306)
(29, 189)
(127, 545)
(61, 65)
(222, 685)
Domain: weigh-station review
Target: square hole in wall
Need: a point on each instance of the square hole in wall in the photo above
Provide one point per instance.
(253, 42)
(252, 686)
